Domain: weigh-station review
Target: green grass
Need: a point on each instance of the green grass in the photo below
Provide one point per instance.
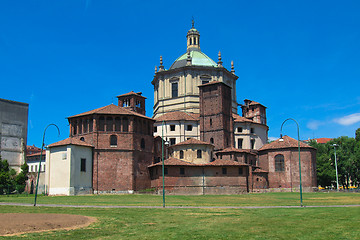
(254, 199)
(299, 223)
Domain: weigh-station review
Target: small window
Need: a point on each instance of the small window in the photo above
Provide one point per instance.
(240, 171)
(181, 154)
(125, 124)
(155, 129)
(166, 171)
(83, 165)
(199, 154)
(64, 156)
(113, 140)
(142, 143)
(126, 103)
(252, 130)
(182, 171)
(211, 140)
(239, 129)
(204, 81)
(279, 163)
(172, 141)
(240, 143)
(174, 89)
(101, 124)
(172, 128)
(117, 124)
(189, 128)
(82, 139)
(138, 104)
(252, 143)
(224, 170)
(210, 122)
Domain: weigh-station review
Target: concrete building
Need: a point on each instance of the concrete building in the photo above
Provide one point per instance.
(13, 132)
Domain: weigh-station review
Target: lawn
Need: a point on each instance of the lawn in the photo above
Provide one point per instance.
(201, 223)
(253, 199)
(299, 223)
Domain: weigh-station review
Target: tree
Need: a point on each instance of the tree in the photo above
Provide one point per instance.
(9, 181)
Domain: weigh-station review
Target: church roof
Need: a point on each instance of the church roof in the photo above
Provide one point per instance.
(192, 141)
(287, 142)
(70, 141)
(173, 116)
(232, 149)
(139, 94)
(177, 162)
(238, 118)
(198, 58)
(111, 109)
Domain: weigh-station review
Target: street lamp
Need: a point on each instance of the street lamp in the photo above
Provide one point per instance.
(281, 139)
(162, 157)
(337, 179)
(42, 147)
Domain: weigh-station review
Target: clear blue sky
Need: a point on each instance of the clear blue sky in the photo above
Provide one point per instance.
(298, 58)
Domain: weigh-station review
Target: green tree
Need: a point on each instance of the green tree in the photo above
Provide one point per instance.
(324, 167)
(9, 181)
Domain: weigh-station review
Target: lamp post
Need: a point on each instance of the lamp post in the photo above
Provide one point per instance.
(337, 179)
(281, 139)
(162, 157)
(42, 147)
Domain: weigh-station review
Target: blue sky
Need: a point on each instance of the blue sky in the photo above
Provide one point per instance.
(298, 58)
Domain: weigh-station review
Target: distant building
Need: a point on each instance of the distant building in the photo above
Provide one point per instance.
(13, 132)
(319, 140)
(33, 160)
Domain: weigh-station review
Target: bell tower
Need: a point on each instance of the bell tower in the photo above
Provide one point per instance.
(193, 38)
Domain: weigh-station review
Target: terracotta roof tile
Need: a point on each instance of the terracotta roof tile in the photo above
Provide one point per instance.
(232, 149)
(131, 93)
(323, 140)
(36, 154)
(238, 118)
(70, 141)
(111, 109)
(192, 141)
(179, 115)
(287, 142)
(172, 162)
(177, 162)
(259, 170)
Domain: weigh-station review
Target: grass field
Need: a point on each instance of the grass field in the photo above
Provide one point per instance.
(254, 199)
(277, 223)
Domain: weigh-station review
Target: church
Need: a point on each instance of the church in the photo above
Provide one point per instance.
(196, 133)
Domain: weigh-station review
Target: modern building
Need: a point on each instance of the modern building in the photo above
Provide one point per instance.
(13, 132)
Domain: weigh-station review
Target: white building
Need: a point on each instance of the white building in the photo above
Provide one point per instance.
(69, 167)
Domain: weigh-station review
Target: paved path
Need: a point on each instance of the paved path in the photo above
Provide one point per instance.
(112, 206)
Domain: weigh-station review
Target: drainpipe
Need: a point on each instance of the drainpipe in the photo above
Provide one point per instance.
(203, 181)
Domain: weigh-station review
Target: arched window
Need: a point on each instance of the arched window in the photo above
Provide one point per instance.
(113, 140)
(211, 140)
(82, 139)
(142, 145)
(74, 128)
(199, 154)
(279, 163)
(125, 124)
(181, 154)
(80, 126)
(90, 125)
(109, 124)
(101, 123)
(85, 127)
(117, 124)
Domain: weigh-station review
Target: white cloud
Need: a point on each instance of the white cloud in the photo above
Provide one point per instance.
(348, 120)
(314, 124)
(273, 138)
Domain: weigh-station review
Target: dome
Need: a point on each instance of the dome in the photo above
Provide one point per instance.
(198, 58)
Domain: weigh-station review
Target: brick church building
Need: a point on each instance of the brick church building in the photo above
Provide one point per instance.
(211, 148)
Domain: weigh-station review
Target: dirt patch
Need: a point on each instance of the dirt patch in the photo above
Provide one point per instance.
(19, 223)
